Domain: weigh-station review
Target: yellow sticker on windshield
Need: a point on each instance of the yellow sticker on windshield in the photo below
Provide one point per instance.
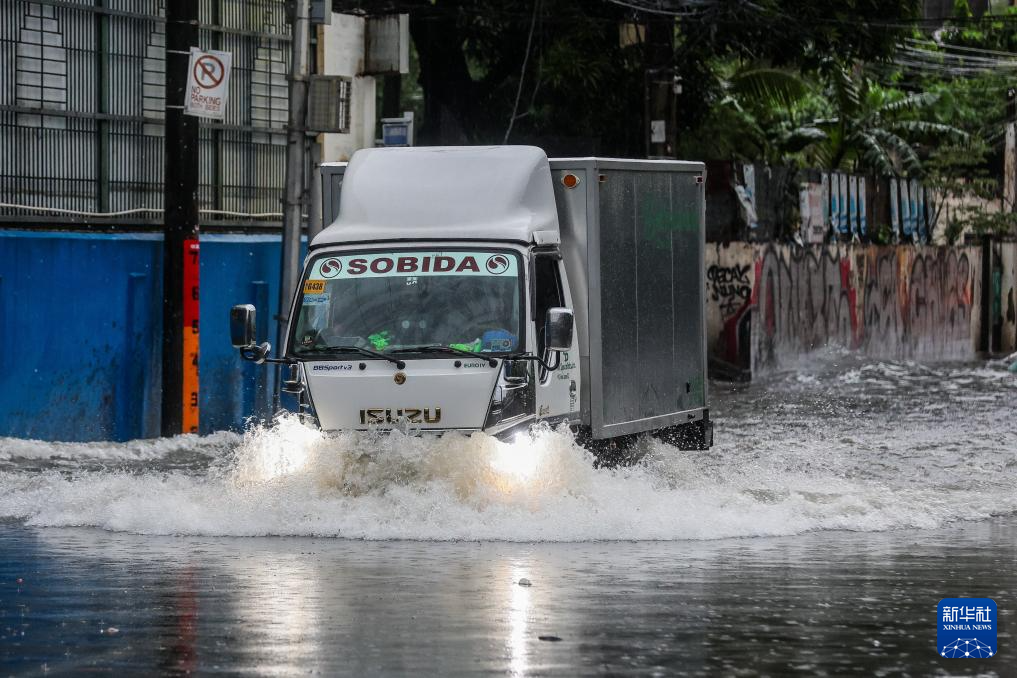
(314, 287)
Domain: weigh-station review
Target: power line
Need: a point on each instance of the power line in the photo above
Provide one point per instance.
(964, 59)
(522, 71)
(658, 6)
(960, 48)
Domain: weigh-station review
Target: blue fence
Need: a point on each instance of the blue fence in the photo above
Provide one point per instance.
(81, 333)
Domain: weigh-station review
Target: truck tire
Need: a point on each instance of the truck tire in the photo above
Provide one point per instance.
(695, 435)
(610, 452)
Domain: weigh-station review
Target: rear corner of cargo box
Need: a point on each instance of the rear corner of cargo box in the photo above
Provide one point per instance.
(647, 347)
(574, 181)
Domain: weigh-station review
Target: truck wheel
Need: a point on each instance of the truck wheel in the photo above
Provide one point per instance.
(696, 435)
(611, 452)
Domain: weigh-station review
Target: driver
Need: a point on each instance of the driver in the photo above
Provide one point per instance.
(492, 305)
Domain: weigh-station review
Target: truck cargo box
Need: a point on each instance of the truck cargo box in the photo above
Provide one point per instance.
(632, 237)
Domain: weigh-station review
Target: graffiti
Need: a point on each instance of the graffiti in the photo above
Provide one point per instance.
(728, 292)
(900, 302)
(729, 287)
(804, 300)
(939, 302)
(883, 301)
(1008, 298)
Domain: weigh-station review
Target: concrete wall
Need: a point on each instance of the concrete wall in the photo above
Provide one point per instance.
(81, 332)
(901, 302)
(894, 302)
(341, 52)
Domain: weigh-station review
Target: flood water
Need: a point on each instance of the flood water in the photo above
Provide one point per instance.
(841, 502)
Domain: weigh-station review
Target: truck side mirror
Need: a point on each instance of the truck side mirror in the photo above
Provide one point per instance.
(242, 334)
(558, 328)
(242, 326)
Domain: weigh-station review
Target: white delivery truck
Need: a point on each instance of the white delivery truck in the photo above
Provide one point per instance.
(490, 289)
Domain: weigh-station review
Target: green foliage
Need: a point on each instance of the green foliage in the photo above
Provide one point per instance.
(578, 83)
(957, 170)
(970, 82)
(976, 220)
(746, 67)
(834, 119)
(767, 86)
(956, 173)
(883, 235)
(876, 129)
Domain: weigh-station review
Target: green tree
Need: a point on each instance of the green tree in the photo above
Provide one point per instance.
(558, 73)
(760, 115)
(874, 128)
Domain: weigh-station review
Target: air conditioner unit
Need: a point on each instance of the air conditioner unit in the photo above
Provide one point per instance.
(329, 99)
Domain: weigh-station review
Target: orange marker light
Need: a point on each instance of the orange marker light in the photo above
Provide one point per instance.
(570, 181)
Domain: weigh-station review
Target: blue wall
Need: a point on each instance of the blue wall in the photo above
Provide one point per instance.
(81, 333)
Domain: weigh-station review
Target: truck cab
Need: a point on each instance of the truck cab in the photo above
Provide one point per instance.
(441, 299)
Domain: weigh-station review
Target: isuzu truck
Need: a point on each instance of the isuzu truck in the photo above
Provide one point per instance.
(491, 289)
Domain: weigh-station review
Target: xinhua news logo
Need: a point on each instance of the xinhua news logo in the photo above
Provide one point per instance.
(967, 628)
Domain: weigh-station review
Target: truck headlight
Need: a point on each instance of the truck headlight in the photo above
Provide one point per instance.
(517, 460)
(513, 395)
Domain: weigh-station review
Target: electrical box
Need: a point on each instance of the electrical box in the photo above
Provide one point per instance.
(397, 131)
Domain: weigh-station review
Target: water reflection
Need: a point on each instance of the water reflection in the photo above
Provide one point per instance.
(823, 602)
(519, 614)
(276, 601)
(178, 645)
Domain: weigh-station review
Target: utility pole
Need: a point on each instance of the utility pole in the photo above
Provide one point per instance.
(661, 119)
(180, 235)
(990, 337)
(391, 102)
(1010, 153)
(295, 162)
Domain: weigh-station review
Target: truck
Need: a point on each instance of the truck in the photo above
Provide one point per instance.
(492, 289)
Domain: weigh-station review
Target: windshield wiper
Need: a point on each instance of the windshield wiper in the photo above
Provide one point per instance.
(441, 348)
(537, 359)
(359, 349)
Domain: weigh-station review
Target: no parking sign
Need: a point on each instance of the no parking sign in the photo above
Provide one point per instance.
(208, 77)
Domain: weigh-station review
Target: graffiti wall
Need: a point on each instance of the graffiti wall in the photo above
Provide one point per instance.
(768, 304)
(896, 302)
(729, 276)
(1008, 297)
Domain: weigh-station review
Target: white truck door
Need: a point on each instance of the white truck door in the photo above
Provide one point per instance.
(557, 391)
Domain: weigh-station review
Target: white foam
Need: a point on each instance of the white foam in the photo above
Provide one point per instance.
(288, 479)
(135, 450)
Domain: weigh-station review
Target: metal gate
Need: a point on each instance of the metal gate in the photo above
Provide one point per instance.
(82, 104)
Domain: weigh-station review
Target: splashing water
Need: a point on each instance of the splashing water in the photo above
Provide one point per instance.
(837, 444)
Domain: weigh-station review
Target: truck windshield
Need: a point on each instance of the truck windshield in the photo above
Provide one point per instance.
(398, 300)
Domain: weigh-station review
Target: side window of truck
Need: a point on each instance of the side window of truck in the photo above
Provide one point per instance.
(548, 293)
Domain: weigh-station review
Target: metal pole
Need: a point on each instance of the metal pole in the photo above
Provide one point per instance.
(314, 214)
(293, 201)
(180, 241)
(1010, 154)
(984, 330)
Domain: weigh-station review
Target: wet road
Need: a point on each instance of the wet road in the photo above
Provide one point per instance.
(819, 604)
(841, 503)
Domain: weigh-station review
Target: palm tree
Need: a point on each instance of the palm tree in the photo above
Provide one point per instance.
(871, 129)
(848, 123)
(758, 105)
